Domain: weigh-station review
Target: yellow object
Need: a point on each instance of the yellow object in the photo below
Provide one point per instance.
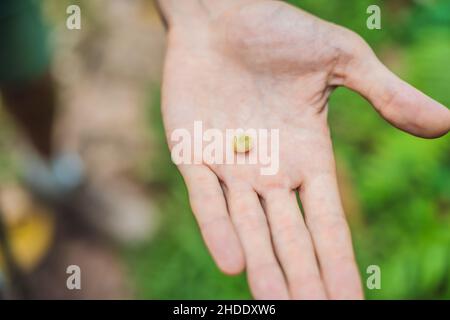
(243, 143)
(29, 227)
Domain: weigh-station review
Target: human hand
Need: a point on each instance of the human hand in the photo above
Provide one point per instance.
(267, 65)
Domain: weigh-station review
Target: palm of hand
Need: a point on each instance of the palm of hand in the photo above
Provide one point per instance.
(268, 66)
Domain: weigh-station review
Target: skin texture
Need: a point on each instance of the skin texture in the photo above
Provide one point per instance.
(265, 64)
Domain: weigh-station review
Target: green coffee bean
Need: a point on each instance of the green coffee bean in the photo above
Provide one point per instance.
(243, 143)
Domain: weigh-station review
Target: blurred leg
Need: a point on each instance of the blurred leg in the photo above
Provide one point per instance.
(25, 83)
(32, 105)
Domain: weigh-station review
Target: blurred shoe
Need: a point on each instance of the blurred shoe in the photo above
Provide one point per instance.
(117, 209)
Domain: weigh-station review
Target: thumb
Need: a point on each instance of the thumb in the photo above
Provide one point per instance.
(395, 100)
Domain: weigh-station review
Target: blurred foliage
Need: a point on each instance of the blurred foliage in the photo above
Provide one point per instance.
(402, 182)
(8, 165)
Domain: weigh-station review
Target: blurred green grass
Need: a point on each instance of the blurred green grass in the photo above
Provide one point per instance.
(401, 183)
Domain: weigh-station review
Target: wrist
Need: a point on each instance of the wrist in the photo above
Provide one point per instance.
(194, 13)
(176, 13)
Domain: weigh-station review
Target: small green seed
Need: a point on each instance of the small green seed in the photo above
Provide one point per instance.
(243, 143)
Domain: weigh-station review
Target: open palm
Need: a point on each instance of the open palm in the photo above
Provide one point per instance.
(267, 65)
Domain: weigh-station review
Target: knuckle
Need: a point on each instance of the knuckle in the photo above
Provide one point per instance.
(333, 225)
(210, 222)
(248, 221)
